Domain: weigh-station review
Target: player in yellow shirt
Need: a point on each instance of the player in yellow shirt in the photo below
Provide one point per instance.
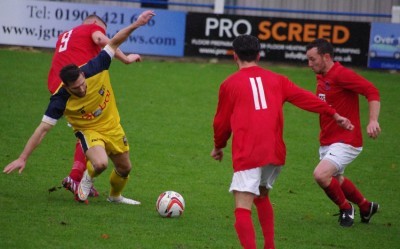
(87, 101)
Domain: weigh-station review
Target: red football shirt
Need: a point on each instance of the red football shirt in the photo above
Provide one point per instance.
(340, 88)
(73, 46)
(250, 106)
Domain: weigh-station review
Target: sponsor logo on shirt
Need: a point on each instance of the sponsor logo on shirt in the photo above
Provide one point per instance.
(101, 107)
(321, 96)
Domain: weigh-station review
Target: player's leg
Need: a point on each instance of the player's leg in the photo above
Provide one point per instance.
(266, 217)
(118, 149)
(119, 177)
(71, 182)
(353, 194)
(120, 174)
(323, 174)
(263, 204)
(79, 165)
(334, 159)
(243, 222)
(245, 186)
(346, 154)
(96, 164)
(97, 160)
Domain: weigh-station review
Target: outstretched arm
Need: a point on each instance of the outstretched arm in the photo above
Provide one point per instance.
(30, 146)
(102, 40)
(124, 33)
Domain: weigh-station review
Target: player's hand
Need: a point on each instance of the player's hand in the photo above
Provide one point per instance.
(145, 17)
(217, 154)
(373, 129)
(17, 164)
(343, 122)
(133, 58)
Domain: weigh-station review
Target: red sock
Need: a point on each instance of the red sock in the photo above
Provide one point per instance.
(266, 218)
(354, 195)
(79, 165)
(244, 228)
(335, 193)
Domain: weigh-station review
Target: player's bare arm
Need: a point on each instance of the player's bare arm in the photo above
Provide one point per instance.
(102, 40)
(373, 128)
(124, 33)
(30, 146)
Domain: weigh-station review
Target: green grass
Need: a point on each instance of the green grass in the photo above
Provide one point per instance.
(167, 109)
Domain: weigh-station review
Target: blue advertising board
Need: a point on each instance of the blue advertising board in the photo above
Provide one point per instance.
(384, 46)
(38, 24)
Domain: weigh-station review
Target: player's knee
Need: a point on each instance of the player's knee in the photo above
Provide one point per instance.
(100, 165)
(321, 178)
(123, 170)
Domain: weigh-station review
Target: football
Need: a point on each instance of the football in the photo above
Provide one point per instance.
(170, 204)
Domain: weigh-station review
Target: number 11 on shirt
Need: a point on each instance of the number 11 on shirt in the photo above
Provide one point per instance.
(258, 93)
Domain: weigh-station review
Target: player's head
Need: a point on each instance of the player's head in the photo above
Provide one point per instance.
(320, 55)
(74, 79)
(322, 46)
(247, 48)
(90, 19)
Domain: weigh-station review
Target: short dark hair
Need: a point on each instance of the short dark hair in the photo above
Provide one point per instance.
(246, 47)
(98, 18)
(322, 45)
(69, 74)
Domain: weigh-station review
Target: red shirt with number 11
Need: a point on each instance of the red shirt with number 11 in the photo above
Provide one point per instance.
(250, 107)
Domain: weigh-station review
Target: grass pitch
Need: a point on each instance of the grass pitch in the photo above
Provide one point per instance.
(167, 109)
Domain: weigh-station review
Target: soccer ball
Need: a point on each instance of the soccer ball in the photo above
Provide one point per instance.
(170, 204)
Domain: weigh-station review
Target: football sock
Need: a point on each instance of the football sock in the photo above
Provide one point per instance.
(92, 173)
(335, 193)
(354, 195)
(244, 228)
(79, 165)
(76, 172)
(117, 182)
(266, 217)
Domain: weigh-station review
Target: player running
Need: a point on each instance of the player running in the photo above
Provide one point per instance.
(340, 87)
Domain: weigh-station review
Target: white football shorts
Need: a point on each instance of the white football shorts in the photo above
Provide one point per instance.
(339, 154)
(250, 180)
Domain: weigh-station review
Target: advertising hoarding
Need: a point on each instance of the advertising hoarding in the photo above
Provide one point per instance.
(38, 24)
(384, 46)
(281, 39)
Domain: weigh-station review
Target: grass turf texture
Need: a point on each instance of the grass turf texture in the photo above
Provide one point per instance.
(167, 109)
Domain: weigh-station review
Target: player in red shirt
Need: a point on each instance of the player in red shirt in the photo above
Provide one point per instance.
(340, 87)
(250, 107)
(78, 46)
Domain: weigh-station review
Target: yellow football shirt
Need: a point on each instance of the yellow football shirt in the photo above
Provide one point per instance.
(97, 110)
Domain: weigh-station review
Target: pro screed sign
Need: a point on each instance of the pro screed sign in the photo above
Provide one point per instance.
(281, 39)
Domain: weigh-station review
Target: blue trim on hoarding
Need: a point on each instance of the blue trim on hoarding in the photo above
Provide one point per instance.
(232, 7)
